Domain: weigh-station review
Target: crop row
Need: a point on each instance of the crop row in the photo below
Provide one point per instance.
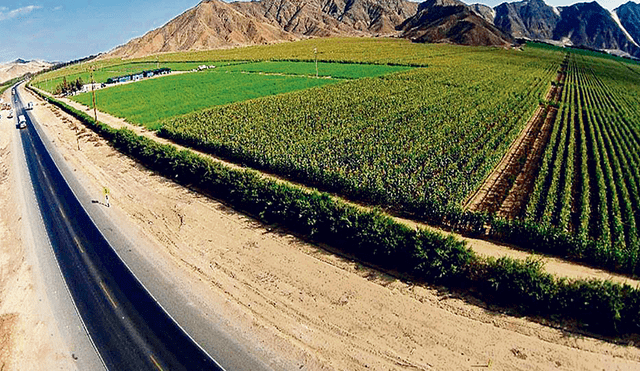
(601, 306)
(417, 141)
(589, 183)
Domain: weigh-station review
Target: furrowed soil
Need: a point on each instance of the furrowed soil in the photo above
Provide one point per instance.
(506, 190)
(314, 309)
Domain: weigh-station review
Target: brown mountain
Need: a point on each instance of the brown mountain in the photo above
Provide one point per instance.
(452, 21)
(20, 67)
(214, 24)
(209, 25)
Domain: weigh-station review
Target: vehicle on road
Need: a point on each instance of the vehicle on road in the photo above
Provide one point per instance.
(22, 122)
(30, 105)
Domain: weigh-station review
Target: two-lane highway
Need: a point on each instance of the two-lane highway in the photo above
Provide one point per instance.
(129, 329)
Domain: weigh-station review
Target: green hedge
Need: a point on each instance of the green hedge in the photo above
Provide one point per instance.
(523, 286)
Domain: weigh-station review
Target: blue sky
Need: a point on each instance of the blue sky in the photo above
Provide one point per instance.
(67, 30)
(70, 29)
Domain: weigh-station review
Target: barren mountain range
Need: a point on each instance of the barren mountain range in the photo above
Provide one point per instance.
(19, 67)
(454, 22)
(216, 24)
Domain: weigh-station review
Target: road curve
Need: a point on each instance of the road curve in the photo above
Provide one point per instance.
(129, 329)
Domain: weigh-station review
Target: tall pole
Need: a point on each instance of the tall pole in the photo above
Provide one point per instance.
(315, 54)
(93, 95)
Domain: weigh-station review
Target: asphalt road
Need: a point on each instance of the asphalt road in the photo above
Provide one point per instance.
(129, 329)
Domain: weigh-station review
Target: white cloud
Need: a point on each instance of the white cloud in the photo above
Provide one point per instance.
(58, 7)
(4, 15)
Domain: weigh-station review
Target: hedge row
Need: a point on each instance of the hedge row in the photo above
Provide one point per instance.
(599, 306)
(527, 235)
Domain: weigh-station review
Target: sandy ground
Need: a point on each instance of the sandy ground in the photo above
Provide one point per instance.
(316, 309)
(29, 338)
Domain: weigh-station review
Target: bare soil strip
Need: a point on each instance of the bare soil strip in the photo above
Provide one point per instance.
(321, 310)
(506, 190)
(518, 195)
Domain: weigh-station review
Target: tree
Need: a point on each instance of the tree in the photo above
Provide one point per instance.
(79, 84)
(65, 85)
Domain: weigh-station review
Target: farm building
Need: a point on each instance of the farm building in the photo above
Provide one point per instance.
(138, 76)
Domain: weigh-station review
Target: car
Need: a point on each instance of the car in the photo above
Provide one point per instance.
(22, 122)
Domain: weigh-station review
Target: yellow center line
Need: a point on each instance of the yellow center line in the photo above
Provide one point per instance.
(153, 359)
(106, 291)
(75, 239)
(64, 216)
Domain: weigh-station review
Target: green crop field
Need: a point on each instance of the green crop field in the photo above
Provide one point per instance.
(49, 81)
(147, 102)
(381, 51)
(589, 182)
(334, 70)
(353, 50)
(428, 136)
(416, 128)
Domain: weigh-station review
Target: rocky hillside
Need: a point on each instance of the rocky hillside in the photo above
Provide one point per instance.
(332, 17)
(582, 24)
(451, 21)
(484, 11)
(629, 17)
(532, 19)
(20, 67)
(589, 24)
(216, 24)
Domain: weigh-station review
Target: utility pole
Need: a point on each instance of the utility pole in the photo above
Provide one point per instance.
(315, 54)
(93, 94)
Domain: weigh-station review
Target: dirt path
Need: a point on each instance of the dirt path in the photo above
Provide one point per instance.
(29, 339)
(314, 309)
(553, 265)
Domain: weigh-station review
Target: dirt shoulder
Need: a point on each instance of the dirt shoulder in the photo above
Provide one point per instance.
(305, 306)
(29, 338)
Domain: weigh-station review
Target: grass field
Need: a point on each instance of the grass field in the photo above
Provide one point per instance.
(148, 102)
(334, 70)
(101, 74)
(353, 50)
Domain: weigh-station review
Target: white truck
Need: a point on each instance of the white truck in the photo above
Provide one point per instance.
(22, 122)
(10, 114)
(30, 105)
